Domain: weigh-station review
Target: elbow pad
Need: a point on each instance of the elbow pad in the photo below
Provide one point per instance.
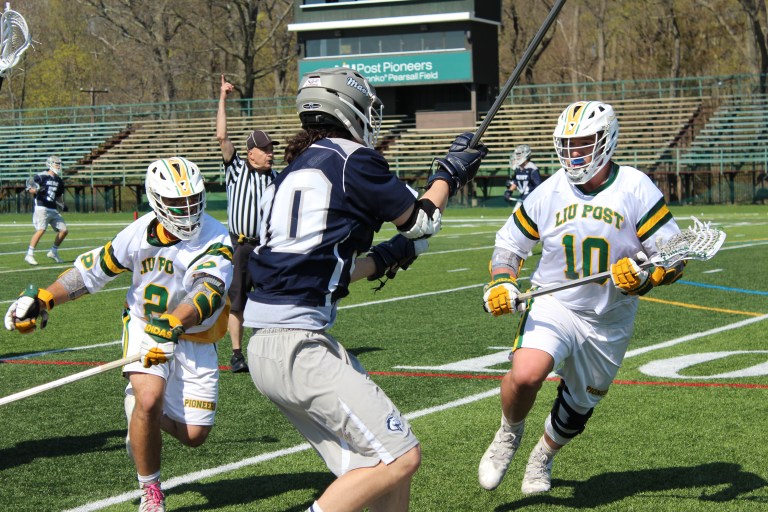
(424, 222)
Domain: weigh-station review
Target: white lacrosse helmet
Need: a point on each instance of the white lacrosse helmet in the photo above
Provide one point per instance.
(522, 154)
(176, 192)
(54, 164)
(341, 97)
(586, 119)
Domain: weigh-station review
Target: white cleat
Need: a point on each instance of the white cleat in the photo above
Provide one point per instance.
(538, 472)
(55, 257)
(30, 259)
(498, 456)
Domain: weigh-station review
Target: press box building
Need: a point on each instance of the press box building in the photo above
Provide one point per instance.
(436, 60)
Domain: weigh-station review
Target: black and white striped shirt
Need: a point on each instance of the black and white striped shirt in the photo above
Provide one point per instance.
(244, 191)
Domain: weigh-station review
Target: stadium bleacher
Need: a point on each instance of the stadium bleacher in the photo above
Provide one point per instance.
(659, 135)
(648, 128)
(731, 134)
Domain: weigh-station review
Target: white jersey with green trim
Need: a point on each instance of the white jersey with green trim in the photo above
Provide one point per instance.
(584, 233)
(162, 273)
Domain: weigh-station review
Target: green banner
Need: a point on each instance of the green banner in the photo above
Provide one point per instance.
(413, 69)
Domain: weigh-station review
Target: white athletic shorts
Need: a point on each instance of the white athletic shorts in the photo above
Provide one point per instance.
(329, 397)
(44, 217)
(192, 376)
(588, 349)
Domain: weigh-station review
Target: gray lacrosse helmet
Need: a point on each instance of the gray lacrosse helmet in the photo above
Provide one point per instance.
(54, 164)
(341, 97)
(522, 154)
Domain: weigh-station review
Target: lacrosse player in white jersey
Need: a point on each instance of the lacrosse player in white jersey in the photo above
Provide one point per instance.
(179, 259)
(591, 216)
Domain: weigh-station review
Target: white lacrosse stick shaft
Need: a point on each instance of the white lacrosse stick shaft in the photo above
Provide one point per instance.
(70, 379)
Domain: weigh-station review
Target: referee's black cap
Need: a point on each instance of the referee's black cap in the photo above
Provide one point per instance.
(259, 139)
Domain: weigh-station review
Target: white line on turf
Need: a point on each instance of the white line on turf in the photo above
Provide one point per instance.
(208, 473)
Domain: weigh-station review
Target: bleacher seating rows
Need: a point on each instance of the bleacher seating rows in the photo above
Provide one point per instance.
(24, 149)
(647, 129)
(108, 152)
(196, 139)
(734, 135)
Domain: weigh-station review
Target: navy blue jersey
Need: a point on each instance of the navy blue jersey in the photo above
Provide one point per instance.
(319, 214)
(526, 178)
(48, 189)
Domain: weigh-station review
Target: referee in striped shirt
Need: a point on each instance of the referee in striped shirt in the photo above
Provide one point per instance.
(246, 180)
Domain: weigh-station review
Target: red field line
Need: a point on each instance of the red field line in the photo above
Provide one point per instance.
(620, 382)
(451, 376)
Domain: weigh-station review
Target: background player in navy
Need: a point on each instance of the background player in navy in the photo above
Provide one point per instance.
(525, 175)
(48, 188)
(320, 215)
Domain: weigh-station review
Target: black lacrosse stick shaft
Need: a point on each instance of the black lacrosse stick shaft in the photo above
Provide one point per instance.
(516, 73)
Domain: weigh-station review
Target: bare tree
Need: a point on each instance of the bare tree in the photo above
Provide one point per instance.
(758, 25)
(151, 28)
(249, 37)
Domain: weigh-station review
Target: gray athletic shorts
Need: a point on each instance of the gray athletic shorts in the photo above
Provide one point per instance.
(43, 217)
(329, 397)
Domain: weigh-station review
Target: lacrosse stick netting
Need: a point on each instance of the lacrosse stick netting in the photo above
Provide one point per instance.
(14, 39)
(698, 242)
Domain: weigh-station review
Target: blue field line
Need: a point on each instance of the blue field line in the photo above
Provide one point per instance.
(725, 288)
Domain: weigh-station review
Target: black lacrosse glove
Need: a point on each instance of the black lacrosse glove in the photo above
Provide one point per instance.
(460, 165)
(397, 252)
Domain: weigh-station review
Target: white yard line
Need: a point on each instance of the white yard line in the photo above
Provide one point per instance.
(211, 472)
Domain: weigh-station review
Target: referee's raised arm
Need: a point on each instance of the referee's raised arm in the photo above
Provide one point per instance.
(227, 149)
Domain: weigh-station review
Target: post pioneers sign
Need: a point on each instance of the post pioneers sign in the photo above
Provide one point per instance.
(402, 69)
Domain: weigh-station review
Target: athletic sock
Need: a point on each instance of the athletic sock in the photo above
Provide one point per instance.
(314, 508)
(30, 251)
(237, 351)
(508, 426)
(148, 480)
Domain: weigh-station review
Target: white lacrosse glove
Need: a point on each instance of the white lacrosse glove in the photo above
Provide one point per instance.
(628, 277)
(29, 311)
(159, 341)
(501, 295)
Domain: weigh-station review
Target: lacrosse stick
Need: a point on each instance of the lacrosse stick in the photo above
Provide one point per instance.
(14, 40)
(516, 73)
(71, 378)
(698, 242)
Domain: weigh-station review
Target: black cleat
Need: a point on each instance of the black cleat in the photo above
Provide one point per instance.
(238, 363)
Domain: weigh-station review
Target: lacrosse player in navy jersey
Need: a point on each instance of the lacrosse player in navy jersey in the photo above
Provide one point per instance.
(591, 216)
(320, 215)
(179, 259)
(48, 189)
(525, 175)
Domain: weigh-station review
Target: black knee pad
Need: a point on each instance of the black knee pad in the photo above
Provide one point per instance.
(564, 422)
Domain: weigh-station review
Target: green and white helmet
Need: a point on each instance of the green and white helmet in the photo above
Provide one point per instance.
(176, 193)
(341, 97)
(586, 119)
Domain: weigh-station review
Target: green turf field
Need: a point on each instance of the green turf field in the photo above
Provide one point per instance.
(688, 435)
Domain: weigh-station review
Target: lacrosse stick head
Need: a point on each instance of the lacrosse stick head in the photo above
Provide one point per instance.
(14, 39)
(698, 242)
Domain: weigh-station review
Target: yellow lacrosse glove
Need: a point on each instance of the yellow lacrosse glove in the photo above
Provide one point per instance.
(500, 296)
